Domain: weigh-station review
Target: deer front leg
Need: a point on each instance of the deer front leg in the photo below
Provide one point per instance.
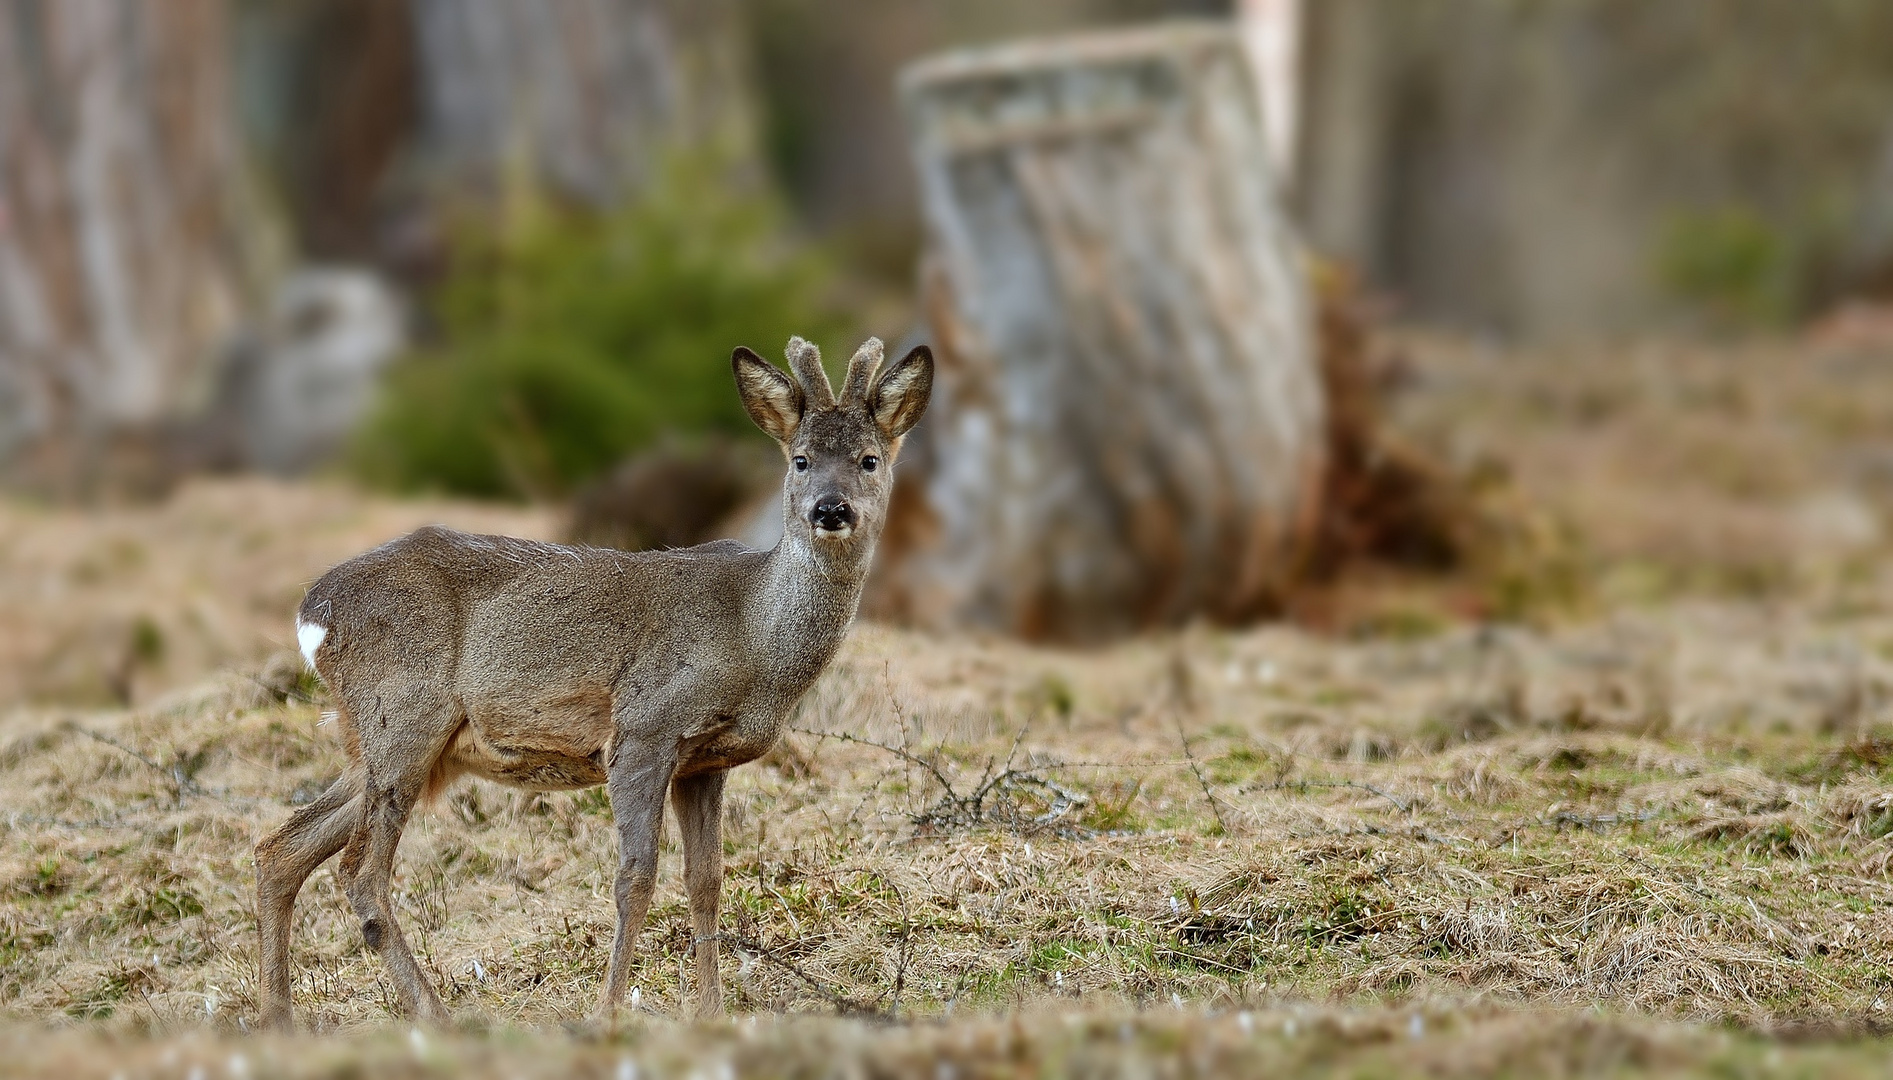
(636, 785)
(698, 801)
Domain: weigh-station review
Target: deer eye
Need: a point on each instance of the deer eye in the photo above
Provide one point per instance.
(801, 463)
(870, 463)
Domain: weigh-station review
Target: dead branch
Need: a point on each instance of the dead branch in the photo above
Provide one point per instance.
(1600, 822)
(934, 770)
(1302, 787)
(993, 802)
(1193, 958)
(15, 820)
(844, 1005)
(996, 802)
(286, 692)
(1215, 806)
(906, 938)
(181, 781)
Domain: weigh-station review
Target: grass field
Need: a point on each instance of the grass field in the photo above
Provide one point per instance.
(1618, 799)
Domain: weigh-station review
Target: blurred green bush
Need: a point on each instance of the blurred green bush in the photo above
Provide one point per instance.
(1731, 264)
(568, 341)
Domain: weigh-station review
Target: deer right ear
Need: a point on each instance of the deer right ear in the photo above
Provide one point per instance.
(771, 398)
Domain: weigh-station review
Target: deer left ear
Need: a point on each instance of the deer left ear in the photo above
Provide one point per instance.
(900, 394)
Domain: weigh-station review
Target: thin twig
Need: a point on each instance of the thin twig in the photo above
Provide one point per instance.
(1203, 781)
(972, 810)
(1303, 786)
(986, 778)
(794, 923)
(938, 776)
(119, 746)
(282, 691)
(1195, 959)
(1602, 821)
(1013, 750)
(1033, 779)
(184, 784)
(843, 1004)
(15, 820)
(906, 935)
(1161, 763)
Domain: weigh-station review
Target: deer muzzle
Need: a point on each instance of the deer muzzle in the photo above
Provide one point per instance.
(832, 514)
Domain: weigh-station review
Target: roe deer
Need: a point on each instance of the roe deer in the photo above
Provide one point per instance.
(552, 668)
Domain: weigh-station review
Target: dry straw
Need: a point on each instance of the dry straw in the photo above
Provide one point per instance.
(926, 844)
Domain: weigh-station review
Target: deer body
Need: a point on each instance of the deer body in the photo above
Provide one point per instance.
(549, 667)
(706, 626)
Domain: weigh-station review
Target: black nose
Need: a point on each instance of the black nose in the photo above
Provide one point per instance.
(832, 513)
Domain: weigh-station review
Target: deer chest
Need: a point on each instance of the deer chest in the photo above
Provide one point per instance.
(732, 741)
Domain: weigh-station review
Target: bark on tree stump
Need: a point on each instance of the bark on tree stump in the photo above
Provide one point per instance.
(1127, 427)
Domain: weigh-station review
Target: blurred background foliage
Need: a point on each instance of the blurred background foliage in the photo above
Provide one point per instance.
(1730, 265)
(577, 303)
(1533, 172)
(565, 340)
(1602, 168)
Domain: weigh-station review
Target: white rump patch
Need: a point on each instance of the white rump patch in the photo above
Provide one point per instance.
(309, 636)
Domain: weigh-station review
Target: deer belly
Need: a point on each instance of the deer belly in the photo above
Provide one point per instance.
(539, 752)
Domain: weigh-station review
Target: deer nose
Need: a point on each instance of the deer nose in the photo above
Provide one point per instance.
(832, 514)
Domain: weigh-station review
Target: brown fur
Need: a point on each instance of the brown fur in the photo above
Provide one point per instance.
(551, 667)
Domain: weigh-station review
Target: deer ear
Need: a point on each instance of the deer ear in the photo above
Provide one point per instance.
(771, 398)
(900, 395)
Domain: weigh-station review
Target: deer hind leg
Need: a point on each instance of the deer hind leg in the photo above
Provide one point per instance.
(698, 801)
(284, 860)
(637, 804)
(400, 747)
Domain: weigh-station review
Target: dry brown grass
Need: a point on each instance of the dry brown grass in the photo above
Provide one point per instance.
(1390, 828)
(1552, 839)
(1304, 1041)
(119, 605)
(1755, 471)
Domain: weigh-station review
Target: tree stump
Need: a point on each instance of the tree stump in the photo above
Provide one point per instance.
(1128, 424)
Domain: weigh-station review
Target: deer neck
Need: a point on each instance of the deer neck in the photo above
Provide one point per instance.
(807, 600)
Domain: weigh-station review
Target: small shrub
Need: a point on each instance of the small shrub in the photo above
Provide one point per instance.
(160, 906)
(147, 640)
(1113, 809)
(1731, 263)
(568, 341)
(1053, 694)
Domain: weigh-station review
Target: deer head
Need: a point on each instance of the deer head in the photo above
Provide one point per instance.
(840, 451)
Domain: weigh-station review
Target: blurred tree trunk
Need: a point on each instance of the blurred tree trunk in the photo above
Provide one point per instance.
(580, 91)
(1127, 427)
(379, 115)
(121, 267)
(328, 90)
(1595, 168)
